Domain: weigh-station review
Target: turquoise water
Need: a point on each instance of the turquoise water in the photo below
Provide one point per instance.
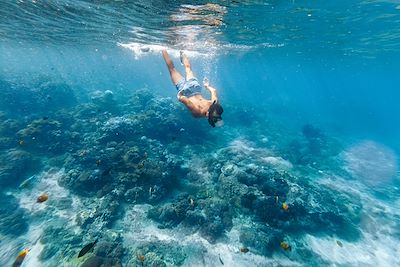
(307, 157)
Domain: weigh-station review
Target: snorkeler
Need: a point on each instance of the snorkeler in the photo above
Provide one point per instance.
(189, 92)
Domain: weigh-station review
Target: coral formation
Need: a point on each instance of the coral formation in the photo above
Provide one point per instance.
(16, 166)
(116, 152)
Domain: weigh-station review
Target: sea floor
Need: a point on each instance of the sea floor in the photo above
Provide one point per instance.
(159, 188)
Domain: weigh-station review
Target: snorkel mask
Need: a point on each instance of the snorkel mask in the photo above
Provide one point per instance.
(214, 115)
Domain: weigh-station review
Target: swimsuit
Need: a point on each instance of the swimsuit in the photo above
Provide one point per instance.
(189, 87)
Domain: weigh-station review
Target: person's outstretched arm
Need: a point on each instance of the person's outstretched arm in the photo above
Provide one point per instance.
(212, 90)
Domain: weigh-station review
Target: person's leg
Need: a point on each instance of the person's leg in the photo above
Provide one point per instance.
(175, 75)
(188, 67)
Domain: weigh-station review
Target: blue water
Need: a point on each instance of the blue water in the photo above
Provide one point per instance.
(308, 154)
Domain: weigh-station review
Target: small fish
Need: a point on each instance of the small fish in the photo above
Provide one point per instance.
(145, 155)
(285, 206)
(21, 142)
(244, 249)
(42, 198)
(83, 152)
(340, 244)
(106, 172)
(285, 246)
(220, 260)
(276, 199)
(141, 257)
(87, 248)
(191, 202)
(98, 162)
(20, 258)
(140, 165)
(151, 191)
(27, 181)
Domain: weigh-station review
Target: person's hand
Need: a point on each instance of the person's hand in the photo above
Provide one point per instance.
(179, 95)
(206, 82)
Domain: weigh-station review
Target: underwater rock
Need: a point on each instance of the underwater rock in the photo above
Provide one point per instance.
(218, 219)
(171, 214)
(99, 215)
(261, 239)
(93, 261)
(229, 169)
(168, 215)
(266, 209)
(48, 251)
(311, 132)
(64, 203)
(8, 130)
(17, 166)
(135, 195)
(43, 136)
(275, 184)
(140, 99)
(120, 129)
(159, 253)
(231, 190)
(112, 236)
(194, 218)
(212, 230)
(132, 156)
(105, 101)
(88, 182)
(312, 148)
(59, 236)
(147, 259)
(109, 250)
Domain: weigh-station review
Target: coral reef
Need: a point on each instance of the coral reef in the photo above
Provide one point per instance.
(17, 165)
(116, 152)
(46, 136)
(12, 220)
(104, 101)
(313, 149)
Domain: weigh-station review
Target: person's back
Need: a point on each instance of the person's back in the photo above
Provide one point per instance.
(189, 92)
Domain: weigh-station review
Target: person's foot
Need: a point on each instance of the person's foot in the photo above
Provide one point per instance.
(182, 56)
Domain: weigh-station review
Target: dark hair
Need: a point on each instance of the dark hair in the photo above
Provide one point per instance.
(214, 113)
(218, 109)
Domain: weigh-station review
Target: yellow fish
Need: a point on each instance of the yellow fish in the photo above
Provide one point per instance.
(285, 246)
(42, 198)
(285, 206)
(244, 249)
(20, 258)
(141, 258)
